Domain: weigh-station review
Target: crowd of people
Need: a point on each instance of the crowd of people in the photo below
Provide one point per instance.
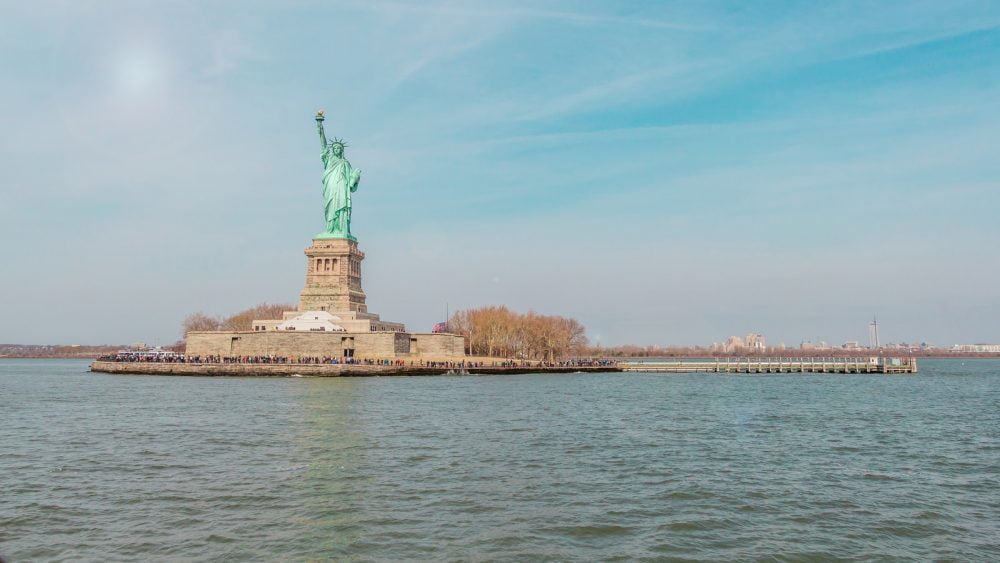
(177, 358)
(159, 357)
(576, 362)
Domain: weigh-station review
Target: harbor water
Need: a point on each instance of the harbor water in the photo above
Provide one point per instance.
(634, 466)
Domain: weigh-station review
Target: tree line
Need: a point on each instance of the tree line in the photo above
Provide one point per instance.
(240, 321)
(496, 331)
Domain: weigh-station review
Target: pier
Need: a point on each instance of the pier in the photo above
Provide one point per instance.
(868, 365)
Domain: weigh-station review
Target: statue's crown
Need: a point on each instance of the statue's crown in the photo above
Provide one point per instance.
(338, 141)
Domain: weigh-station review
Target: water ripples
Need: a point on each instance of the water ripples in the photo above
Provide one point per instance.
(578, 466)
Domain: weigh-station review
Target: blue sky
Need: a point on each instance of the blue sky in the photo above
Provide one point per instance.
(668, 173)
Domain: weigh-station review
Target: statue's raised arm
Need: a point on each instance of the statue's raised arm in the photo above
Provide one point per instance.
(319, 125)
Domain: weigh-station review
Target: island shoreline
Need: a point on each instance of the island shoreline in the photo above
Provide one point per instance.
(325, 370)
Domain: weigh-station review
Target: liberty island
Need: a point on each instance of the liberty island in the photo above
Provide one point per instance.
(332, 333)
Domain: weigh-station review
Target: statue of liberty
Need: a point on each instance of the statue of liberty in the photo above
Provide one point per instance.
(340, 180)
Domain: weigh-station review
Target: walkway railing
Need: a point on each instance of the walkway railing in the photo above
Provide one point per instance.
(873, 364)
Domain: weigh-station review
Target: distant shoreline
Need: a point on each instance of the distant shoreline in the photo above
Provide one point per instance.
(3, 357)
(57, 351)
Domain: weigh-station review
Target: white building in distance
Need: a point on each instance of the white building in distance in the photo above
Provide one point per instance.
(977, 348)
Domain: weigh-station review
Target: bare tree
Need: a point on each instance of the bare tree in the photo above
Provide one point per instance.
(244, 319)
(198, 322)
(497, 331)
(241, 321)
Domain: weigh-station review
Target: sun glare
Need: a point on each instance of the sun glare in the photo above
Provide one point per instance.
(138, 73)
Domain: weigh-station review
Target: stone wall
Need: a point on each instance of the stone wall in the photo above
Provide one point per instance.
(374, 345)
(209, 343)
(333, 277)
(437, 345)
(402, 344)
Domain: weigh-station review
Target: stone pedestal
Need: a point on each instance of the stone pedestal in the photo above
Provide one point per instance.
(333, 277)
(333, 284)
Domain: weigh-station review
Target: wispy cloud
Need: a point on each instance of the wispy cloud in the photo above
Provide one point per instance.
(544, 147)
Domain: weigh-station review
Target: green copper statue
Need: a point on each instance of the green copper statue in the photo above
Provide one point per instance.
(340, 180)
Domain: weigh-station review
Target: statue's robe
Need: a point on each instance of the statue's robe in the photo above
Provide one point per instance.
(340, 180)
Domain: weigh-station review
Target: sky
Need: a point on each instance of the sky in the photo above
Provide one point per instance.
(668, 173)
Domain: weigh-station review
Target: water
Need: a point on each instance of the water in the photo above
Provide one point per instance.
(564, 467)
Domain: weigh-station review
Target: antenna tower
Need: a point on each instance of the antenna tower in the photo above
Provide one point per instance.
(873, 333)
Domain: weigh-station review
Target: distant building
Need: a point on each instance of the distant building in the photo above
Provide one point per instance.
(977, 348)
(733, 344)
(906, 346)
(755, 341)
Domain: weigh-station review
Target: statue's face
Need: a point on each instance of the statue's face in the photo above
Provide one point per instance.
(338, 150)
